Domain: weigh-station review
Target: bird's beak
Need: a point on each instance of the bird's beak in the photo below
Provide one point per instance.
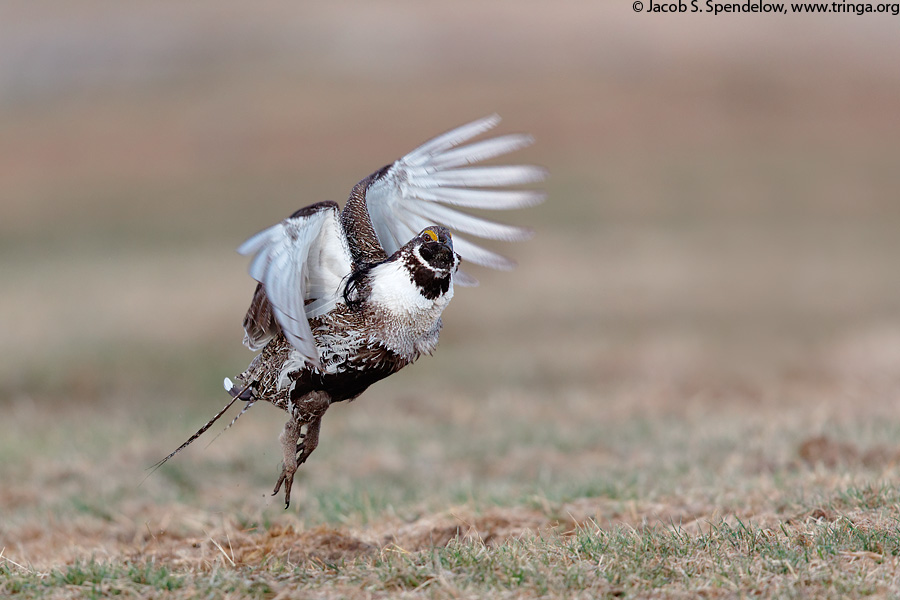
(443, 256)
(439, 254)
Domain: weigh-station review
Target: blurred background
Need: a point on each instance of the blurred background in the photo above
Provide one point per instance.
(721, 228)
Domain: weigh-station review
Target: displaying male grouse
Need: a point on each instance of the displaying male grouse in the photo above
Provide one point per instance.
(346, 298)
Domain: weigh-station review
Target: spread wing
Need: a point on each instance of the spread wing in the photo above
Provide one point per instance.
(419, 190)
(300, 264)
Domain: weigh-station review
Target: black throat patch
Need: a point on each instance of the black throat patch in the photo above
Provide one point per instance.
(431, 283)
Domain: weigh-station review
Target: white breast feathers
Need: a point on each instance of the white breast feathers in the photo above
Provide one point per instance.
(407, 313)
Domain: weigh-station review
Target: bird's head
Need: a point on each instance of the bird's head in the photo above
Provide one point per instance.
(430, 261)
(427, 261)
(433, 248)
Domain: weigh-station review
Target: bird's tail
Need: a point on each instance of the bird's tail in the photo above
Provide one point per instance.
(244, 393)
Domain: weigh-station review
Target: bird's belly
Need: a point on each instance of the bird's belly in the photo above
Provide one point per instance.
(356, 349)
(346, 374)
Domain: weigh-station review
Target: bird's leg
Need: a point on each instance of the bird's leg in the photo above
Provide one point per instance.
(308, 412)
(310, 440)
(288, 439)
(300, 444)
(295, 454)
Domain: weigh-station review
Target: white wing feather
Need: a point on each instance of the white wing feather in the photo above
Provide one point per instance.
(302, 263)
(418, 190)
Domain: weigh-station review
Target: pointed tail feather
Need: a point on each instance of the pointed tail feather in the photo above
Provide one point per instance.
(234, 420)
(236, 395)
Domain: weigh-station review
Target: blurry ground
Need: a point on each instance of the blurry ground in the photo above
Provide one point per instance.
(706, 326)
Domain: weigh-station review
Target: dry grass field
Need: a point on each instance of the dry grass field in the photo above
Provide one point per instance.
(688, 388)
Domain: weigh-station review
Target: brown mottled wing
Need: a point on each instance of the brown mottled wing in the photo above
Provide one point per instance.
(260, 325)
(364, 244)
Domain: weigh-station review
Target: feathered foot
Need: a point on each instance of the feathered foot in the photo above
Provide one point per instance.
(295, 454)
